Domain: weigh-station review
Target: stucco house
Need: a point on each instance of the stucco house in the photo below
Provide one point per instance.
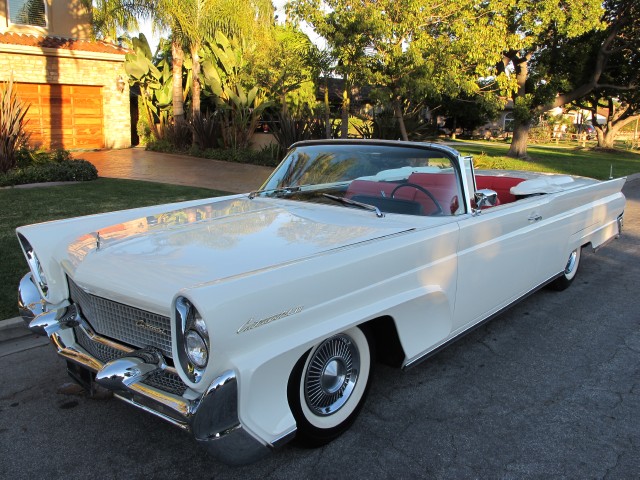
(76, 87)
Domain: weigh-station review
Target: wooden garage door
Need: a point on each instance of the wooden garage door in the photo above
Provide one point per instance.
(64, 116)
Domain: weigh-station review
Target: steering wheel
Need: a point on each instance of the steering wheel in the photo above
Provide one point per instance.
(423, 190)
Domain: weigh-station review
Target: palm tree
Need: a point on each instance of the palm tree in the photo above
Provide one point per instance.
(190, 23)
(193, 21)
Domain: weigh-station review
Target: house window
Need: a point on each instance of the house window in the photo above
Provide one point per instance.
(508, 122)
(28, 12)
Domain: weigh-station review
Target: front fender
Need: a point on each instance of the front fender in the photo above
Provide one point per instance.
(422, 317)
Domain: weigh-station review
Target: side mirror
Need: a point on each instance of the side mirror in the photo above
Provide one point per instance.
(485, 198)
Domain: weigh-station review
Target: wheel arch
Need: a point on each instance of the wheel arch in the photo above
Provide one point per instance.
(384, 334)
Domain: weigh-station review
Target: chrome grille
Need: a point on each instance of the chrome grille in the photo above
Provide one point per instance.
(102, 352)
(165, 381)
(123, 323)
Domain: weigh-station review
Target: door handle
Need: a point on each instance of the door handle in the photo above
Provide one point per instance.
(535, 217)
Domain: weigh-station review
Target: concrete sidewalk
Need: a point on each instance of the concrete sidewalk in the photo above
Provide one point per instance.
(140, 164)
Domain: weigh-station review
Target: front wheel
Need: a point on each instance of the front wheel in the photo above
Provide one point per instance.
(570, 271)
(328, 386)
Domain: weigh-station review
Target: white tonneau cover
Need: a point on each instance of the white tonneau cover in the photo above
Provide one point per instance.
(536, 186)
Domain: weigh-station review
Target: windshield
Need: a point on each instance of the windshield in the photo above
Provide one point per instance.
(394, 178)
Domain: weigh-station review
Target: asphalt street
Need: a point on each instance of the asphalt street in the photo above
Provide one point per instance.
(549, 389)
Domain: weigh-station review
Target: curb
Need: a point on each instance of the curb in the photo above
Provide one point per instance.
(13, 328)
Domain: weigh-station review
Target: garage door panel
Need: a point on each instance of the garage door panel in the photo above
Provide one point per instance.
(67, 116)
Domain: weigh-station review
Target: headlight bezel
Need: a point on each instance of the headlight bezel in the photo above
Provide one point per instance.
(35, 265)
(188, 319)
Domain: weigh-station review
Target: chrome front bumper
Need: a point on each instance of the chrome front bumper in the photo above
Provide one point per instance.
(212, 417)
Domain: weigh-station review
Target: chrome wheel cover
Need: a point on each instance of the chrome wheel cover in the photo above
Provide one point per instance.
(331, 375)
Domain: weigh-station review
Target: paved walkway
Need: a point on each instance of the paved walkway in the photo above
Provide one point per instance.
(139, 164)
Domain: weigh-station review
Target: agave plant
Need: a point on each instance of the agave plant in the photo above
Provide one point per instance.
(13, 134)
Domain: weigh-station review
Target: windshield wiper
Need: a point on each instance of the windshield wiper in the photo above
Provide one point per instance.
(348, 201)
(278, 192)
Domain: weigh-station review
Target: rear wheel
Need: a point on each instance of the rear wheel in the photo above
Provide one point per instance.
(328, 386)
(570, 271)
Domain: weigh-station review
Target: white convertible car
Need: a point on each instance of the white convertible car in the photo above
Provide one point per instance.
(251, 319)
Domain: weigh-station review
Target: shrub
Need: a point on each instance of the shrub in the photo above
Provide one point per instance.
(13, 135)
(64, 170)
(267, 156)
(207, 131)
(288, 130)
(177, 134)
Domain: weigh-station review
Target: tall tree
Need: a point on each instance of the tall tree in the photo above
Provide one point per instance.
(421, 48)
(606, 64)
(110, 18)
(193, 21)
(344, 26)
(288, 67)
(190, 23)
(533, 27)
(322, 65)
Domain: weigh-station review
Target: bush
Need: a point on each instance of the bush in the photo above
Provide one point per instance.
(56, 171)
(267, 156)
(207, 131)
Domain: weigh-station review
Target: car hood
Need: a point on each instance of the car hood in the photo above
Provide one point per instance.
(146, 261)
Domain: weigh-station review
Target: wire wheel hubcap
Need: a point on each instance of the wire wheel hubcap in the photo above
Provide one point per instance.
(331, 375)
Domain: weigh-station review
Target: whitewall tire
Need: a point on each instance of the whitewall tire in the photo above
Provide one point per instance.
(570, 271)
(328, 386)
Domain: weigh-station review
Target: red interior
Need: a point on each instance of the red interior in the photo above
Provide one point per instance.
(501, 185)
(443, 186)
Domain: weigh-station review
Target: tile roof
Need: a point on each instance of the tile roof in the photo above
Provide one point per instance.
(44, 41)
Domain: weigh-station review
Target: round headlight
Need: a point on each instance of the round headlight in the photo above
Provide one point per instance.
(196, 349)
(34, 263)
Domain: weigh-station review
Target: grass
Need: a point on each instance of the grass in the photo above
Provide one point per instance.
(569, 159)
(23, 206)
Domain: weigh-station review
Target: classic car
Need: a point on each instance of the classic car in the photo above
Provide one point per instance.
(252, 319)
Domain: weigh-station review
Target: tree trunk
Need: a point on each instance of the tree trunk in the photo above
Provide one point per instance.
(397, 111)
(195, 80)
(177, 56)
(327, 111)
(344, 126)
(608, 139)
(518, 148)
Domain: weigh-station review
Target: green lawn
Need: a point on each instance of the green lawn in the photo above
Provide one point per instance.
(23, 206)
(568, 159)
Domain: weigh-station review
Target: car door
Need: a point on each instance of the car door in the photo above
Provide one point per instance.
(499, 253)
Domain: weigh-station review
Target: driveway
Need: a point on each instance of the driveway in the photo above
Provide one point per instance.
(140, 164)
